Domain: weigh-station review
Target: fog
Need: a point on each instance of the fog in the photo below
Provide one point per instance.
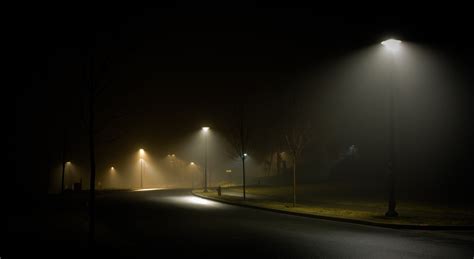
(432, 113)
(346, 101)
(181, 167)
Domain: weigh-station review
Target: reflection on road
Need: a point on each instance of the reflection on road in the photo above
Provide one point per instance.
(149, 189)
(190, 200)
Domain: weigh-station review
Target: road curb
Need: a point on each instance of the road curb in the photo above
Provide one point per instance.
(354, 221)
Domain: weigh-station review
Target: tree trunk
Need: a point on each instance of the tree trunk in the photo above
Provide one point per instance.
(92, 166)
(63, 158)
(62, 177)
(278, 162)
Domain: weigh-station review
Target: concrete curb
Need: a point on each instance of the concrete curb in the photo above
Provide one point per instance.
(354, 221)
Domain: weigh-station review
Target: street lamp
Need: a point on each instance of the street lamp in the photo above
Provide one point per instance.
(109, 179)
(205, 130)
(393, 46)
(68, 165)
(142, 152)
(173, 163)
(243, 157)
(192, 174)
(141, 173)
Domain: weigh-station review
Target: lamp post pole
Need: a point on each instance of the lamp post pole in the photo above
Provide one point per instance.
(205, 163)
(141, 173)
(62, 177)
(392, 45)
(205, 131)
(142, 154)
(243, 175)
(192, 180)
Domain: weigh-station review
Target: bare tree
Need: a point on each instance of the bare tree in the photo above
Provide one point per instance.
(238, 138)
(63, 158)
(96, 80)
(297, 137)
(91, 106)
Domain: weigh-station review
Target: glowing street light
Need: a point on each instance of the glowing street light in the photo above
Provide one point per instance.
(205, 130)
(141, 173)
(192, 164)
(172, 160)
(109, 179)
(65, 166)
(142, 152)
(393, 46)
(68, 167)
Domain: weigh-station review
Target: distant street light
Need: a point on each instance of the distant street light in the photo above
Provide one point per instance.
(393, 46)
(141, 173)
(192, 174)
(142, 152)
(173, 163)
(109, 179)
(205, 130)
(67, 165)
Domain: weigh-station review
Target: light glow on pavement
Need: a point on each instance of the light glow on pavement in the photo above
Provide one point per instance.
(193, 201)
(148, 189)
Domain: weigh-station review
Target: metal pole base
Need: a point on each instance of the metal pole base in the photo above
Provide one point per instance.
(391, 214)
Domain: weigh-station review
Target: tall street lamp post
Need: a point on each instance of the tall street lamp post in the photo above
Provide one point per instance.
(393, 46)
(243, 174)
(141, 167)
(205, 131)
(192, 174)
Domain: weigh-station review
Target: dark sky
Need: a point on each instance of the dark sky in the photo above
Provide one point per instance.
(169, 71)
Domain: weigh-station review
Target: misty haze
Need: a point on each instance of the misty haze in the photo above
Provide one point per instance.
(254, 132)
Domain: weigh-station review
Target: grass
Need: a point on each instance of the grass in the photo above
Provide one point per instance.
(330, 201)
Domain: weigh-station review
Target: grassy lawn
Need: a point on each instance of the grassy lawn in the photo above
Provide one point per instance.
(327, 200)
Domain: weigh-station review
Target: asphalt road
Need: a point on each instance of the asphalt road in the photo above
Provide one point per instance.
(172, 223)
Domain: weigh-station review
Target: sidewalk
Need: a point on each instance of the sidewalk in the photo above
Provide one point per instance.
(412, 216)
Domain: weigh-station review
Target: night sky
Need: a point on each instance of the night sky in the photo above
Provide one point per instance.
(170, 71)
